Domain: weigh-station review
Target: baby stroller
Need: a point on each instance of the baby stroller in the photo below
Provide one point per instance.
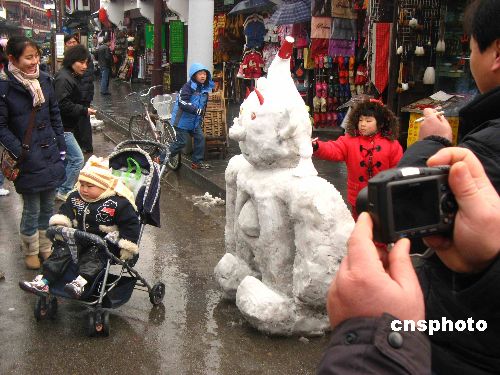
(112, 289)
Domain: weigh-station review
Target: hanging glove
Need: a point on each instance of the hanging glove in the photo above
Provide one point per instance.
(126, 254)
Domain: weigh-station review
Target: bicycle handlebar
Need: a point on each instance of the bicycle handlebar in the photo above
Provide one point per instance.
(149, 90)
(139, 143)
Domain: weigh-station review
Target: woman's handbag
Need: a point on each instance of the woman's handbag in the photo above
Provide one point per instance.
(10, 165)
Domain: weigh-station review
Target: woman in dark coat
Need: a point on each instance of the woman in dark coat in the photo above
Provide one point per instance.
(69, 97)
(42, 168)
(83, 131)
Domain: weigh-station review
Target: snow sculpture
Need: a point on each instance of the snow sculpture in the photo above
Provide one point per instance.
(286, 228)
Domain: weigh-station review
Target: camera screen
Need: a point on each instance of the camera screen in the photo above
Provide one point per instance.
(415, 205)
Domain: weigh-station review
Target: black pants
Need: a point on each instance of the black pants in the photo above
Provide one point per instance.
(89, 262)
(83, 132)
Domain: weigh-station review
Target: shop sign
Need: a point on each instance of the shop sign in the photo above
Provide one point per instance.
(59, 46)
(176, 41)
(28, 33)
(149, 31)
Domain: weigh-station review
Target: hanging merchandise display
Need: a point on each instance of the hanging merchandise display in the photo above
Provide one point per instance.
(338, 50)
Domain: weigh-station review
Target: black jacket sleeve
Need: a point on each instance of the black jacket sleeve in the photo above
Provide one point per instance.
(64, 89)
(369, 346)
(417, 154)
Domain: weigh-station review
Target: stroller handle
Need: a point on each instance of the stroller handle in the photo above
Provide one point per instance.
(79, 235)
(140, 143)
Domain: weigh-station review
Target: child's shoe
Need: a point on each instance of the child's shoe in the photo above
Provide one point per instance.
(75, 288)
(38, 286)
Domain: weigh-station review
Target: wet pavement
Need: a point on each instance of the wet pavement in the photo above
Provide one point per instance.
(195, 331)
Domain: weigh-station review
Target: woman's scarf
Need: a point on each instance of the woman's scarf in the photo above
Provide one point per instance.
(30, 81)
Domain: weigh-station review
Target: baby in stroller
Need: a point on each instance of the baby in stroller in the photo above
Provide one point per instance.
(100, 204)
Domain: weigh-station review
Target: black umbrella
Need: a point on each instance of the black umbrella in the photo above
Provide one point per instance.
(251, 6)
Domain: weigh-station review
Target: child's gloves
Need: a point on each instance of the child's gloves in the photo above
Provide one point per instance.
(315, 144)
(126, 254)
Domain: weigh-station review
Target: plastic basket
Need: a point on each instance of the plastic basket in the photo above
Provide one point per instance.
(163, 105)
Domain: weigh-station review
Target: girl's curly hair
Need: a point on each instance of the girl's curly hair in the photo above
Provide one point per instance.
(387, 122)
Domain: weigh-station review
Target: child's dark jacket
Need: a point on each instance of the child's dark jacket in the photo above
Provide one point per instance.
(107, 215)
(187, 113)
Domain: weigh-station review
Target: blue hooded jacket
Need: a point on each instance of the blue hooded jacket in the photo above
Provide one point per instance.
(192, 99)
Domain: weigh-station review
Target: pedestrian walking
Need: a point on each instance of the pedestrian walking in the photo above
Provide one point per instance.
(28, 103)
(67, 83)
(83, 130)
(104, 60)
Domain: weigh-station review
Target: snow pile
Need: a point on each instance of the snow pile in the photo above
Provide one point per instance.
(286, 228)
(95, 123)
(207, 201)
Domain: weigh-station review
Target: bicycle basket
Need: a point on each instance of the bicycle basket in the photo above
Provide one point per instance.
(163, 105)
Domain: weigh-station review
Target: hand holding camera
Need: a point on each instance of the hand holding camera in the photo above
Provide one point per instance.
(455, 209)
(476, 235)
(370, 280)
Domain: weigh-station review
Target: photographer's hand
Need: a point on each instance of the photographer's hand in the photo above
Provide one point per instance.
(371, 281)
(434, 125)
(476, 235)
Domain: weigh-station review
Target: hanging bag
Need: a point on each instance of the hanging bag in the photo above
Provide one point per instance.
(10, 164)
(132, 177)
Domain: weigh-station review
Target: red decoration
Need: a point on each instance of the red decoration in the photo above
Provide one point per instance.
(103, 17)
(286, 48)
(259, 95)
(48, 14)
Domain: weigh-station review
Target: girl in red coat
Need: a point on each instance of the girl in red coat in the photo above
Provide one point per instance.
(370, 146)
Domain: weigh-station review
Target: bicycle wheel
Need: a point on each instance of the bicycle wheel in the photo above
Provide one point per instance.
(140, 130)
(174, 162)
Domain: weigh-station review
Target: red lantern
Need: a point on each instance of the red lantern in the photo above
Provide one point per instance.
(48, 14)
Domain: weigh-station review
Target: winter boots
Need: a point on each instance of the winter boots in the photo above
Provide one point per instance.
(45, 247)
(30, 247)
(34, 246)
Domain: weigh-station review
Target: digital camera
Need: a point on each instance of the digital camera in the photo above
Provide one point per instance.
(409, 202)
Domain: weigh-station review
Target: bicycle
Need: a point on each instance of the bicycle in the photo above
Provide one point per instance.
(153, 127)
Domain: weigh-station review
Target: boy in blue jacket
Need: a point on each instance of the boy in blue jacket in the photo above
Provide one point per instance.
(188, 113)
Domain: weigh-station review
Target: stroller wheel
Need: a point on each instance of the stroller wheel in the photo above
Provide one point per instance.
(40, 308)
(52, 308)
(91, 332)
(157, 293)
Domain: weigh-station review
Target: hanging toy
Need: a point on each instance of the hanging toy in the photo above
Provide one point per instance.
(441, 46)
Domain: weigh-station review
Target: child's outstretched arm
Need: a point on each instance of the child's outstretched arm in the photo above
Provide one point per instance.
(331, 150)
